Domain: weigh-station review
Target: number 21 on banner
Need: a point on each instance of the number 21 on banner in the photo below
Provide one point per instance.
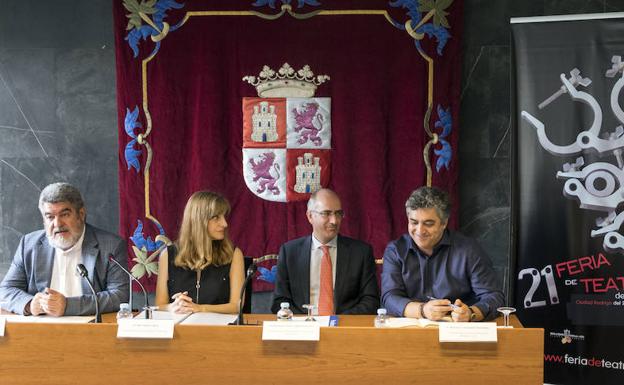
(547, 273)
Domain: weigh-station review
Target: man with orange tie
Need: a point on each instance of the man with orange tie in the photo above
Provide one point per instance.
(332, 272)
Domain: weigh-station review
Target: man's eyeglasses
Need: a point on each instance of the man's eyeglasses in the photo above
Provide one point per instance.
(339, 214)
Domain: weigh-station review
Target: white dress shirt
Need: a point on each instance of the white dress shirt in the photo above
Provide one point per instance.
(316, 256)
(64, 277)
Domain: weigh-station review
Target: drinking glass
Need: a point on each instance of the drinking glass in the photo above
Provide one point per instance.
(506, 310)
(149, 310)
(310, 308)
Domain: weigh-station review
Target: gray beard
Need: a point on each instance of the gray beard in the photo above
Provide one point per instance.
(61, 243)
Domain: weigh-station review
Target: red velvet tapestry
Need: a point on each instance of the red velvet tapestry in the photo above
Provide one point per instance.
(265, 101)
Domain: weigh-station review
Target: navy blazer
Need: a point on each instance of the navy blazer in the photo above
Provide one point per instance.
(355, 289)
(31, 272)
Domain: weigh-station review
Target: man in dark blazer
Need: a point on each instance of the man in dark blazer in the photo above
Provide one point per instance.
(355, 289)
(42, 278)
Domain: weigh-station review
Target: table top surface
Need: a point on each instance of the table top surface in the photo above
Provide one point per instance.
(343, 320)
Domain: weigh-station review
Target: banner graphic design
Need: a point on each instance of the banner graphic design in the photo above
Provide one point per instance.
(568, 194)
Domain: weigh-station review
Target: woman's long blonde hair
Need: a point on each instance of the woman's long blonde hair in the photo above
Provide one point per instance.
(196, 250)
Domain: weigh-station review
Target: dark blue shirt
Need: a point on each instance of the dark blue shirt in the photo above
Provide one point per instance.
(457, 268)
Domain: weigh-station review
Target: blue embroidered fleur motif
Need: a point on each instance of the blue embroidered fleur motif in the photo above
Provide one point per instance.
(148, 243)
(145, 251)
(140, 33)
(433, 24)
(130, 153)
(446, 123)
(154, 27)
(267, 275)
(271, 3)
(412, 11)
(441, 35)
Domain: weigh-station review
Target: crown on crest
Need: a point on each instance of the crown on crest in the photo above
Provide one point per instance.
(286, 82)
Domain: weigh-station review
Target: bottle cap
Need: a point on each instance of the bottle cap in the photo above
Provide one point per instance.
(285, 305)
(124, 306)
(381, 311)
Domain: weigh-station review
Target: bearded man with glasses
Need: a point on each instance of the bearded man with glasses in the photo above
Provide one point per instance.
(333, 273)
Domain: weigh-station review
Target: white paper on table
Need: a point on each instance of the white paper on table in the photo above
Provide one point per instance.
(164, 315)
(467, 332)
(322, 320)
(2, 325)
(404, 322)
(207, 318)
(291, 331)
(144, 328)
(50, 319)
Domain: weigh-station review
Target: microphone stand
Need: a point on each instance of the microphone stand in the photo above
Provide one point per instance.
(250, 272)
(146, 308)
(82, 271)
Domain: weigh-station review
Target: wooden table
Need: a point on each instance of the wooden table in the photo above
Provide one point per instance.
(351, 320)
(353, 353)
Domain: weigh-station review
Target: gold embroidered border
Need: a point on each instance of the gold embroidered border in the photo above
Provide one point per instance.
(433, 137)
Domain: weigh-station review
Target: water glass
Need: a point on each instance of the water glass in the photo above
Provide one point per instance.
(506, 310)
(310, 309)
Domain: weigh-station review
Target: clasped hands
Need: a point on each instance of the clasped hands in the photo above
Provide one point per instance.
(49, 302)
(183, 304)
(436, 309)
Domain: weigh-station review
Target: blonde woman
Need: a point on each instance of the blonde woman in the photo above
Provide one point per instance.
(203, 271)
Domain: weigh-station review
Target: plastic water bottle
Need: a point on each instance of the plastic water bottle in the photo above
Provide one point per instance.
(380, 320)
(124, 311)
(284, 314)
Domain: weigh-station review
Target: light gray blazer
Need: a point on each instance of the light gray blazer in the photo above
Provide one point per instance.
(31, 272)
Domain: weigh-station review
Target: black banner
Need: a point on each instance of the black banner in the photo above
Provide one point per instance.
(568, 193)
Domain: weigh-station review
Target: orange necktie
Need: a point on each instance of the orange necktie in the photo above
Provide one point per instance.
(326, 295)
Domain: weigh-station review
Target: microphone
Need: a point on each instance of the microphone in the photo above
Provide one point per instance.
(250, 272)
(147, 309)
(82, 271)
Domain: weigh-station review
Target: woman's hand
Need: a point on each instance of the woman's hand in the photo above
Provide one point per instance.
(183, 304)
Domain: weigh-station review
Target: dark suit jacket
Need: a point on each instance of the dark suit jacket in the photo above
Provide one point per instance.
(31, 272)
(355, 290)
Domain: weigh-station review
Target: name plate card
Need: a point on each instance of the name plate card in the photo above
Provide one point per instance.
(291, 331)
(2, 325)
(145, 328)
(467, 332)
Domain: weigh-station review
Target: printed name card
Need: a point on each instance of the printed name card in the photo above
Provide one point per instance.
(2, 325)
(144, 328)
(467, 332)
(291, 331)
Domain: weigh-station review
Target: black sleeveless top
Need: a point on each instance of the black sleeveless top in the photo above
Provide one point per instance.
(214, 282)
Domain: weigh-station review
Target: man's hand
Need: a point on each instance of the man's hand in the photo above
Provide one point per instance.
(412, 310)
(36, 306)
(461, 313)
(53, 303)
(436, 309)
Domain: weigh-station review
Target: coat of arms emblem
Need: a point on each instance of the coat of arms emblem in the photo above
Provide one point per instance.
(286, 135)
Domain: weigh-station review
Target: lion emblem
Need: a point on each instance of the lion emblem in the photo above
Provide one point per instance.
(308, 123)
(262, 173)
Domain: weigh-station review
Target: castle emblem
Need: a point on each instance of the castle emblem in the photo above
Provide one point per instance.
(286, 134)
(264, 123)
(308, 174)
